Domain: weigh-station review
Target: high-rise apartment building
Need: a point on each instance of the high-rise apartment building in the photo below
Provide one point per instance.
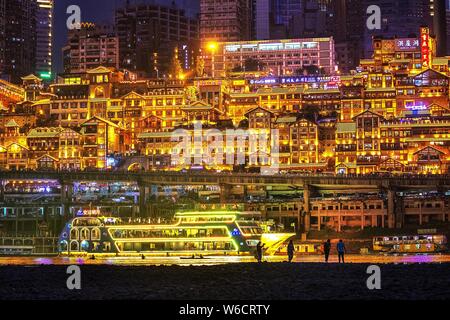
(448, 27)
(341, 19)
(439, 24)
(89, 47)
(403, 18)
(263, 19)
(316, 20)
(17, 38)
(224, 21)
(2, 34)
(277, 57)
(350, 24)
(287, 13)
(44, 37)
(293, 18)
(149, 34)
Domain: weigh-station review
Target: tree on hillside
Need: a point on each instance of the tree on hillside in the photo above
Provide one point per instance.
(250, 65)
(175, 67)
(310, 70)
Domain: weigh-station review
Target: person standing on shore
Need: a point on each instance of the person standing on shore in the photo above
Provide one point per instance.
(259, 254)
(326, 249)
(290, 250)
(341, 250)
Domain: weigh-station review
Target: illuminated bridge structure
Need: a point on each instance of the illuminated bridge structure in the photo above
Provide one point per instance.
(211, 178)
(388, 188)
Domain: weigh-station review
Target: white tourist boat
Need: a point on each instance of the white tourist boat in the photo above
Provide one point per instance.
(191, 233)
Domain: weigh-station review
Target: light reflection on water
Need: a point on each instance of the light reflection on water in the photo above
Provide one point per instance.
(217, 260)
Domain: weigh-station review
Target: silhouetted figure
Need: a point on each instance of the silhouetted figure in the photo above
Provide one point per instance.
(326, 249)
(290, 250)
(259, 254)
(341, 250)
(143, 257)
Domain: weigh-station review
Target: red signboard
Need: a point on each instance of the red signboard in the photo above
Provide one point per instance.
(425, 47)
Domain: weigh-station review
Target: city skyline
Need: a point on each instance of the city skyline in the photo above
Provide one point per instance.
(347, 59)
(90, 13)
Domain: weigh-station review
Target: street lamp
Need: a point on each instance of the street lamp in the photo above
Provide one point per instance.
(212, 47)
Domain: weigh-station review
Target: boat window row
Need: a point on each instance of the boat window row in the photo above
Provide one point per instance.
(85, 234)
(249, 230)
(86, 222)
(410, 239)
(170, 233)
(175, 246)
(228, 219)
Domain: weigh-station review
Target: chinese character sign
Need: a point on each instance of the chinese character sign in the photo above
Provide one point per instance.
(425, 47)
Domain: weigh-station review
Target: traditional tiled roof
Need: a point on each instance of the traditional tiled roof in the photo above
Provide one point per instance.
(442, 151)
(18, 144)
(98, 70)
(369, 111)
(254, 109)
(159, 134)
(101, 120)
(286, 119)
(345, 127)
(50, 132)
(47, 156)
(321, 90)
(12, 124)
(31, 77)
(278, 90)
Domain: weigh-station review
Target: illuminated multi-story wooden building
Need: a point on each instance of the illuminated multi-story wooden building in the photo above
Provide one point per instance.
(373, 143)
(101, 139)
(43, 142)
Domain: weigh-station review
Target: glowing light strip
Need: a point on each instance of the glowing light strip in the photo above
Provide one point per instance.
(163, 227)
(202, 213)
(162, 240)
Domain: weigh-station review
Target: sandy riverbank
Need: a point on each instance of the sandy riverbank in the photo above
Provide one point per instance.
(308, 281)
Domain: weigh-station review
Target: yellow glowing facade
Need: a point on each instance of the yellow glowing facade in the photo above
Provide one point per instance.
(389, 116)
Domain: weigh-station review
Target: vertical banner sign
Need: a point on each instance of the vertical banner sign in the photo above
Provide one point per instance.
(425, 47)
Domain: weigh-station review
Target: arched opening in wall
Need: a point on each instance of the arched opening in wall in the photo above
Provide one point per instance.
(63, 246)
(74, 234)
(74, 246)
(136, 167)
(99, 92)
(95, 234)
(84, 234)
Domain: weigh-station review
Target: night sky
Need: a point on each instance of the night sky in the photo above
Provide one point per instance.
(100, 11)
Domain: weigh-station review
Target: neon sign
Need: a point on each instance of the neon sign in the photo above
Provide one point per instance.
(311, 79)
(301, 79)
(416, 107)
(264, 81)
(425, 47)
(407, 44)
